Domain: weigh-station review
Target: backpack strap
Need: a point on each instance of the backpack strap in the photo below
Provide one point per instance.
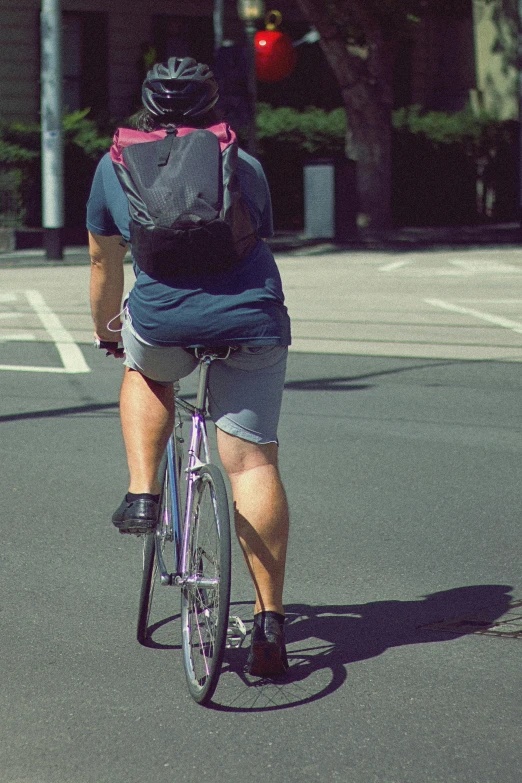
(164, 147)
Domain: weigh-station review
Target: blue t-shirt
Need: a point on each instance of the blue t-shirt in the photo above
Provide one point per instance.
(244, 305)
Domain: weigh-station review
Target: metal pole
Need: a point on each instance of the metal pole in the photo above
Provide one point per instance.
(52, 135)
(250, 30)
(218, 24)
(519, 41)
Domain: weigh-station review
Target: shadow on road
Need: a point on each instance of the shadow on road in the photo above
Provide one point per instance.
(323, 640)
(348, 383)
(53, 413)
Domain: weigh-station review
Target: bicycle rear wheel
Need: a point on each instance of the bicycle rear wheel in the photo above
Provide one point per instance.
(162, 537)
(205, 596)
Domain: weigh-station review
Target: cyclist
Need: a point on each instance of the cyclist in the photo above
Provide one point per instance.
(243, 306)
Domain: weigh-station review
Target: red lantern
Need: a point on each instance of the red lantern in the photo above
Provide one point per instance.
(275, 55)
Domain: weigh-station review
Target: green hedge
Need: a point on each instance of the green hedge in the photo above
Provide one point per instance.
(454, 169)
(20, 169)
(438, 158)
(314, 132)
(319, 132)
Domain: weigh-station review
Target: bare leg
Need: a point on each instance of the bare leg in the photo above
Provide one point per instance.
(147, 419)
(261, 515)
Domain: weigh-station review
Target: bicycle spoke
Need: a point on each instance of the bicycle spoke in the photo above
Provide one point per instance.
(205, 609)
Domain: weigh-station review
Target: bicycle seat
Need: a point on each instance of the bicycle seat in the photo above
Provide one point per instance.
(214, 352)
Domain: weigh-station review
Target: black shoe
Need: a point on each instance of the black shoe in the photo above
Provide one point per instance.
(136, 516)
(267, 656)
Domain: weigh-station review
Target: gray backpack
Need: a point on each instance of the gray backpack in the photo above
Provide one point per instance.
(186, 211)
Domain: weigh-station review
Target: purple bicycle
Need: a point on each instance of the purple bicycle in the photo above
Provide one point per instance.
(190, 547)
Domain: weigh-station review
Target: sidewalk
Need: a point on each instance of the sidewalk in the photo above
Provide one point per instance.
(293, 243)
(461, 302)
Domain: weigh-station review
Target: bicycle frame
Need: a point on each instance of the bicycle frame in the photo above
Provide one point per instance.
(199, 532)
(178, 527)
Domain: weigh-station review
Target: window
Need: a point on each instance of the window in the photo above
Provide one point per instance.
(72, 61)
(85, 62)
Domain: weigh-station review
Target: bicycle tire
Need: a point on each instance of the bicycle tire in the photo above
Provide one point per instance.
(204, 610)
(150, 574)
(147, 588)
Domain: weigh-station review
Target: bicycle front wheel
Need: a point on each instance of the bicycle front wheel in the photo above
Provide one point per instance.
(205, 594)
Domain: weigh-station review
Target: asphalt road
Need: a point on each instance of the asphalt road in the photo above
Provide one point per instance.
(403, 475)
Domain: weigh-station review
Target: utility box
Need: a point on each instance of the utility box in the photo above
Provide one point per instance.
(330, 210)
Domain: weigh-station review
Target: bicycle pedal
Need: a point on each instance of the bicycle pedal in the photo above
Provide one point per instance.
(236, 632)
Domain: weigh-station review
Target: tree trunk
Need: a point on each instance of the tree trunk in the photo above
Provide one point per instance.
(364, 76)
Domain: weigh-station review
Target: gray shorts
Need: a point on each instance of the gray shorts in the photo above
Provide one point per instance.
(245, 390)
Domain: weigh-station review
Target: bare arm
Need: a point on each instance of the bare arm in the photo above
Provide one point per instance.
(107, 254)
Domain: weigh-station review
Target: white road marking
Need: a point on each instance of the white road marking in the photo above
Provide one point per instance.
(8, 297)
(6, 316)
(505, 323)
(36, 368)
(393, 265)
(17, 336)
(493, 301)
(70, 353)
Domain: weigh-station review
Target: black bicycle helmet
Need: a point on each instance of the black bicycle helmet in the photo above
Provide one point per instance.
(180, 87)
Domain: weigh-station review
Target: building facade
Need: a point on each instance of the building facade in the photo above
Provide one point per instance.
(107, 45)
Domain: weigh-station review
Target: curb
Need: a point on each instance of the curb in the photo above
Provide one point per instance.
(404, 239)
(293, 243)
